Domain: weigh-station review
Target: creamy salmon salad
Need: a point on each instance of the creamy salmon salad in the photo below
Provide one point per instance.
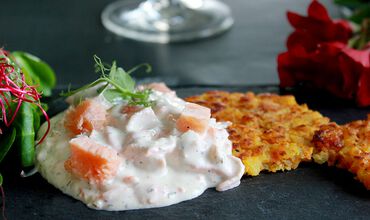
(121, 156)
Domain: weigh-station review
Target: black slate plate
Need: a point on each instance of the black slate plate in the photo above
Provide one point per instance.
(310, 192)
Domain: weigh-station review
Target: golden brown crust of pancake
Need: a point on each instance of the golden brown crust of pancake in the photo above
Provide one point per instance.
(268, 131)
(346, 147)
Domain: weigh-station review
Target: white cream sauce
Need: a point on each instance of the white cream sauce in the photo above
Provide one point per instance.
(160, 165)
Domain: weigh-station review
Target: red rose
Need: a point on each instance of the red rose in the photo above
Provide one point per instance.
(319, 68)
(318, 56)
(316, 28)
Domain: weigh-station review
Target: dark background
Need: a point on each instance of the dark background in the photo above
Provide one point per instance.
(67, 33)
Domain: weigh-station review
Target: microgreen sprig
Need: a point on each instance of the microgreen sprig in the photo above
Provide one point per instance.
(14, 91)
(117, 84)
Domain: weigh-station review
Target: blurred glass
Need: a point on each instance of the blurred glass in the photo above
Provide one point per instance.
(164, 21)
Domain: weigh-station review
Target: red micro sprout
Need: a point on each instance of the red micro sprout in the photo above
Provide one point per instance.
(14, 90)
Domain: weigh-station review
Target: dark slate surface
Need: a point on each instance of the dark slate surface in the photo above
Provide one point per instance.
(310, 192)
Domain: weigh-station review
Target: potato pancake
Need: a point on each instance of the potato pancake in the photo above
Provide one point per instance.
(346, 147)
(269, 132)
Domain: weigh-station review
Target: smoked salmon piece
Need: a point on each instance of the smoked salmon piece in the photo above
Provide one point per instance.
(194, 117)
(85, 117)
(91, 161)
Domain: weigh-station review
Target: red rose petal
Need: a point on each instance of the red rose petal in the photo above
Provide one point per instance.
(317, 11)
(346, 66)
(296, 20)
(363, 93)
(359, 56)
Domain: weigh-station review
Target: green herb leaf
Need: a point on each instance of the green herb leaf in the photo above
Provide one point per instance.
(122, 78)
(360, 9)
(1, 179)
(36, 72)
(36, 117)
(349, 3)
(6, 143)
(125, 80)
(112, 95)
(361, 14)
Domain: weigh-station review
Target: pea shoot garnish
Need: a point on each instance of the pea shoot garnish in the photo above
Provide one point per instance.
(117, 84)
